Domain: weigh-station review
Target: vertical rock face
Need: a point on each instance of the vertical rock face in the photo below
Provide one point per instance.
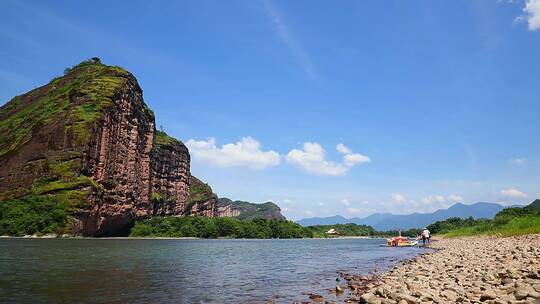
(89, 140)
(119, 157)
(228, 211)
(170, 176)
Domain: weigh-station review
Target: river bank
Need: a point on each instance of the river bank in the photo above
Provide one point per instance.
(466, 270)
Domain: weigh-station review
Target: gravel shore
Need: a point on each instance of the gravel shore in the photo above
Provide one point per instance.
(466, 270)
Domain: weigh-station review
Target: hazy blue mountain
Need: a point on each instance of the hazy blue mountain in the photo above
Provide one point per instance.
(373, 219)
(331, 220)
(385, 221)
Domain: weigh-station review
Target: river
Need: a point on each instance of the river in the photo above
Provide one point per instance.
(182, 271)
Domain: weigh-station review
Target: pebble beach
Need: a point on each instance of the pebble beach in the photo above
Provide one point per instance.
(461, 270)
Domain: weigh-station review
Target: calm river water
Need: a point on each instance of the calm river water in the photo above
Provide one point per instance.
(181, 271)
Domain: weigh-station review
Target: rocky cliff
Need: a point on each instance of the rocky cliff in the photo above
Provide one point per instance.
(202, 200)
(170, 176)
(248, 211)
(89, 140)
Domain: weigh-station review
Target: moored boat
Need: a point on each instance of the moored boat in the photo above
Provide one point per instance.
(401, 241)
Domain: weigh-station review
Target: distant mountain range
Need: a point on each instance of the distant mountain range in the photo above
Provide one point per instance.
(387, 221)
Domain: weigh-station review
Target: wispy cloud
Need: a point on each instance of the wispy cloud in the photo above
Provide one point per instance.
(513, 193)
(286, 36)
(455, 198)
(398, 198)
(532, 15)
(452, 198)
(517, 161)
(433, 198)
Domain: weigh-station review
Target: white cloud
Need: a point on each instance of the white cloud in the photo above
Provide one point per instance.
(513, 193)
(320, 204)
(532, 14)
(517, 161)
(308, 212)
(341, 148)
(455, 198)
(398, 198)
(312, 160)
(345, 202)
(352, 160)
(244, 153)
(433, 198)
(355, 210)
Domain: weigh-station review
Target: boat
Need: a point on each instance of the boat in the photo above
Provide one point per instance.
(401, 241)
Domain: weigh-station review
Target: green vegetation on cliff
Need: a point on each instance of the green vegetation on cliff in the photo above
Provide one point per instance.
(204, 227)
(67, 107)
(85, 89)
(199, 191)
(46, 206)
(33, 215)
(509, 221)
(163, 138)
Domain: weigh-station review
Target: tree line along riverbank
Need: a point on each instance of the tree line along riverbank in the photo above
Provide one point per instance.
(41, 215)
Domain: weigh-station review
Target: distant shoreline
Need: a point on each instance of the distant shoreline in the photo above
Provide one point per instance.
(172, 238)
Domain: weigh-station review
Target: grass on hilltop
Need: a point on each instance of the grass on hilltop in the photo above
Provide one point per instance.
(75, 100)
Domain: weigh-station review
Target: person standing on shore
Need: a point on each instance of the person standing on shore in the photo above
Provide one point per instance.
(426, 235)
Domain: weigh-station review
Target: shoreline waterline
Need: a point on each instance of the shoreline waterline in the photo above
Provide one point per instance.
(176, 238)
(466, 270)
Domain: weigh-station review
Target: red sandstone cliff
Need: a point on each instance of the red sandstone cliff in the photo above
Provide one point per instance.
(88, 139)
(170, 176)
(202, 200)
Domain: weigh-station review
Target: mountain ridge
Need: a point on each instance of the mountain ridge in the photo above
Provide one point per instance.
(387, 221)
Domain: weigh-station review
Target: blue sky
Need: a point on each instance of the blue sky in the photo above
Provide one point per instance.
(429, 102)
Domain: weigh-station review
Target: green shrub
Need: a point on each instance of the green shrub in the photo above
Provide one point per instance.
(454, 223)
(32, 215)
(343, 229)
(204, 227)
